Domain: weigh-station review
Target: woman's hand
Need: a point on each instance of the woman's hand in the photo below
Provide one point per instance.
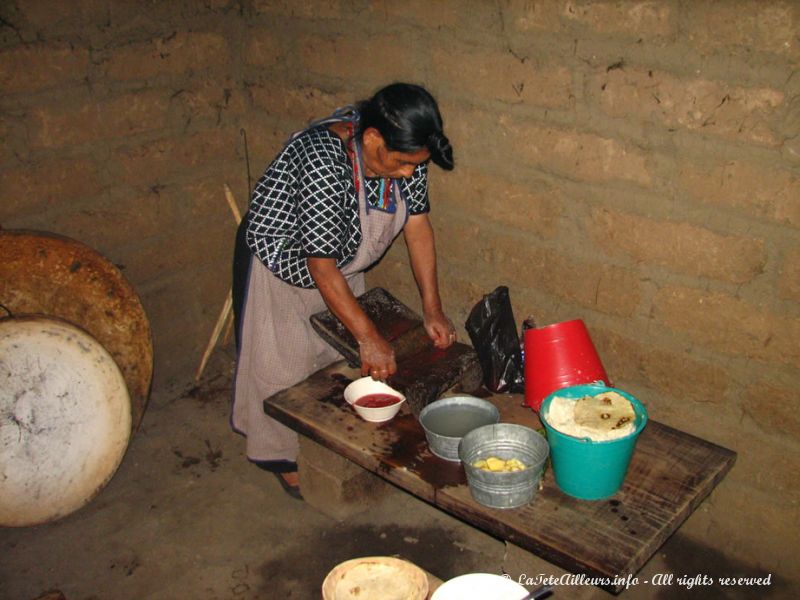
(377, 358)
(440, 329)
(377, 355)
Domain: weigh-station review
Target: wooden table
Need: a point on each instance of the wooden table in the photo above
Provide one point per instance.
(670, 474)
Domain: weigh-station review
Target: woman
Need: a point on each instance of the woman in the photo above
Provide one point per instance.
(325, 210)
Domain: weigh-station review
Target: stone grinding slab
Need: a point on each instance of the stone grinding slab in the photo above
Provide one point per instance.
(424, 372)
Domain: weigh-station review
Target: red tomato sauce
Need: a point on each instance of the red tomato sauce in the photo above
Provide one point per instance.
(377, 400)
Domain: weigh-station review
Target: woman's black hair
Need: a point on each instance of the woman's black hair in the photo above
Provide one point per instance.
(408, 119)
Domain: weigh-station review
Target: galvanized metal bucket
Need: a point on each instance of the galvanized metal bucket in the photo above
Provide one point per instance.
(447, 420)
(504, 440)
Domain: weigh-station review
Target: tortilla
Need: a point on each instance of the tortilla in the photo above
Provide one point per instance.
(375, 578)
(605, 412)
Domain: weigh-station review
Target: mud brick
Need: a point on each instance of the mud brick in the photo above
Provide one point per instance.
(335, 485)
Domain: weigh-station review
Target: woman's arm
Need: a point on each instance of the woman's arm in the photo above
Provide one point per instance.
(377, 355)
(422, 252)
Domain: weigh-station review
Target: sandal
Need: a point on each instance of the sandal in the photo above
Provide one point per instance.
(278, 468)
(292, 490)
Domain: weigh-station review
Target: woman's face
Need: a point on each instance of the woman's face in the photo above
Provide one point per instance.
(379, 161)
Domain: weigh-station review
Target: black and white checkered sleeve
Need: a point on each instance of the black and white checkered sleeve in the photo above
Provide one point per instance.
(321, 199)
(415, 190)
(298, 207)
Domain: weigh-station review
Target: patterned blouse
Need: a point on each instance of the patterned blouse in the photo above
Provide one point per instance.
(305, 205)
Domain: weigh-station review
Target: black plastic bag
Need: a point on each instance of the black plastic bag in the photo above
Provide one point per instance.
(493, 332)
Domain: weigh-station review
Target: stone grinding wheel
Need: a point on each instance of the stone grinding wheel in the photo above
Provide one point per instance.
(65, 419)
(49, 274)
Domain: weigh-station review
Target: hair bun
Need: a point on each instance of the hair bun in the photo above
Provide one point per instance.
(440, 149)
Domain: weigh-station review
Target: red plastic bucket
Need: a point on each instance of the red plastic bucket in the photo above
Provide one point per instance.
(559, 356)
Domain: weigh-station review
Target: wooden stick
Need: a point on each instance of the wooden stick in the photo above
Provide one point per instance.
(228, 328)
(223, 316)
(232, 203)
(228, 306)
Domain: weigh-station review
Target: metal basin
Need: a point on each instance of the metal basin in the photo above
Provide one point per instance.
(505, 441)
(447, 420)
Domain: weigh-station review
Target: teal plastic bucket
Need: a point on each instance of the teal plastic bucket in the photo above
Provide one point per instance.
(587, 469)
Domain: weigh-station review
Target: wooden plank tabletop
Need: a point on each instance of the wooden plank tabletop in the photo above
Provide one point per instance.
(670, 474)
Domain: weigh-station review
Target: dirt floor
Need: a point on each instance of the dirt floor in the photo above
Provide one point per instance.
(187, 517)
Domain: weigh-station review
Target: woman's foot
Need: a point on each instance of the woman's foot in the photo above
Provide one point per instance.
(286, 473)
(290, 482)
(291, 478)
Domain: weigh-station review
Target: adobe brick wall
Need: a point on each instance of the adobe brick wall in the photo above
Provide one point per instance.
(635, 164)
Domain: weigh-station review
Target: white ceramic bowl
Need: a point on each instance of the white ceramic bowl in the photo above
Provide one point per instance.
(375, 578)
(480, 586)
(366, 386)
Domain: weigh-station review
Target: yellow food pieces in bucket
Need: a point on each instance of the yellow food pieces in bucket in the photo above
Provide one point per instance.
(499, 465)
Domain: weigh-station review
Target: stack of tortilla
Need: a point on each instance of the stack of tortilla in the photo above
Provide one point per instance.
(607, 416)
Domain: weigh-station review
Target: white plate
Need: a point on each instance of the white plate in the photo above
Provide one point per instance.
(480, 586)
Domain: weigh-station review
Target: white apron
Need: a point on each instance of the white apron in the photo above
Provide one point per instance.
(279, 346)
